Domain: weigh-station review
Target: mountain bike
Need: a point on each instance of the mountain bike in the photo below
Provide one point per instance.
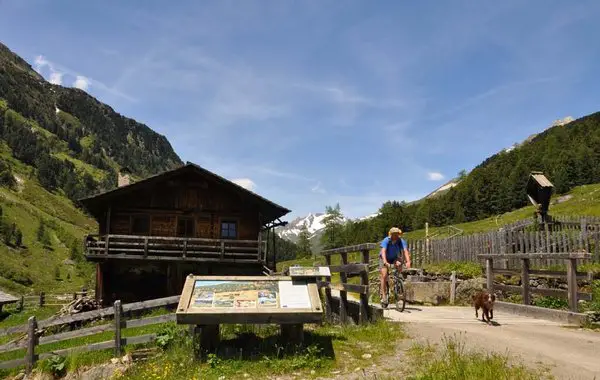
(395, 288)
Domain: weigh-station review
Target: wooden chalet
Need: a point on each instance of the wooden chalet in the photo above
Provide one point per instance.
(154, 232)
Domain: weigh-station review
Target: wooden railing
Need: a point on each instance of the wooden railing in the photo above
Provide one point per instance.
(34, 329)
(572, 294)
(347, 270)
(165, 248)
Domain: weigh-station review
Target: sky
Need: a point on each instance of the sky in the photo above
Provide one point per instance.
(315, 102)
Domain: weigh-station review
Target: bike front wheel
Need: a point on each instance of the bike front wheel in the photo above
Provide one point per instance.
(399, 295)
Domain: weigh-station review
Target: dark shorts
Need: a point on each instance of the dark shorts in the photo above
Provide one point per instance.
(381, 262)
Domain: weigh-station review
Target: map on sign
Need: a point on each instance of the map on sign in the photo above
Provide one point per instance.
(249, 294)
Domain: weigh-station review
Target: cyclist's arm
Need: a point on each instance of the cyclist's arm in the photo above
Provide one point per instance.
(407, 257)
(383, 256)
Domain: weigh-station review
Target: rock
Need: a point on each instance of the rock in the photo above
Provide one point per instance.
(312, 372)
(367, 356)
(427, 292)
(246, 375)
(466, 289)
(357, 369)
(114, 361)
(19, 376)
(222, 378)
(126, 359)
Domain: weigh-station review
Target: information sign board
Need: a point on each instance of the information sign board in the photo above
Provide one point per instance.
(248, 299)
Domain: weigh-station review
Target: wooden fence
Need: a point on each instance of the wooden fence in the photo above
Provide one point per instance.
(582, 236)
(346, 271)
(572, 294)
(33, 329)
(43, 299)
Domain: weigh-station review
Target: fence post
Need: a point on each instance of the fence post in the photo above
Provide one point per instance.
(30, 357)
(118, 311)
(453, 287)
(525, 282)
(489, 274)
(328, 297)
(572, 284)
(364, 298)
(21, 303)
(343, 293)
(42, 299)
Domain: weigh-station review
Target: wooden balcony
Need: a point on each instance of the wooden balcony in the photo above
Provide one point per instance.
(163, 248)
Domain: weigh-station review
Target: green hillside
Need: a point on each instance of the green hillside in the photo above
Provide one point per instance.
(58, 145)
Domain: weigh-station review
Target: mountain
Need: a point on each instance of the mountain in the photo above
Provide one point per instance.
(58, 127)
(314, 223)
(59, 144)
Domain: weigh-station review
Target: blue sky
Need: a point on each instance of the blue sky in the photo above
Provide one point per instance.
(315, 102)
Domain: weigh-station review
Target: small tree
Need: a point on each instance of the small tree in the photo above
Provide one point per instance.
(42, 234)
(57, 273)
(304, 245)
(332, 236)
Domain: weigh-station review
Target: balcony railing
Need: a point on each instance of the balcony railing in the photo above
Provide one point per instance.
(164, 248)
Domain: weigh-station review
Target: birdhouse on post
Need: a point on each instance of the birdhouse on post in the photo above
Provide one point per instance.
(539, 191)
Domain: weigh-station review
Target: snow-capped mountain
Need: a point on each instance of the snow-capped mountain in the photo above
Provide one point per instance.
(314, 223)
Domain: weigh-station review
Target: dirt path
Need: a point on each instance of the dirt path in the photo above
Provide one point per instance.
(570, 353)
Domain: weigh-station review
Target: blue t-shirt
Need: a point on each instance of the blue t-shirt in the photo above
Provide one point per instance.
(394, 250)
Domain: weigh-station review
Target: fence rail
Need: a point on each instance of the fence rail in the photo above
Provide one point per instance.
(571, 294)
(346, 270)
(174, 248)
(34, 331)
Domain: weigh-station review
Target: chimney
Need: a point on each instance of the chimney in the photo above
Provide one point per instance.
(124, 177)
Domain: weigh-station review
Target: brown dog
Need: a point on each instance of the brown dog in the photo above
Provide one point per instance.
(484, 301)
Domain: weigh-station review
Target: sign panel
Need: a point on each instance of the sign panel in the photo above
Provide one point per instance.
(251, 299)
(309, 272)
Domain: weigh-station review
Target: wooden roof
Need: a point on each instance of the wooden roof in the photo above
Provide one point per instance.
(7, 298)
(97, 204)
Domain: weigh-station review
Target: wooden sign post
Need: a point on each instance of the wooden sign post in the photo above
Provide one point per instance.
(208, 301)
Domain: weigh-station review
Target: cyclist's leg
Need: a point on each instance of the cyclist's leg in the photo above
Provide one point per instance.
(383, 274)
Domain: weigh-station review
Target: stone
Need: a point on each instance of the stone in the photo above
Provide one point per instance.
(114, 361)
(466, 289)
(19, 376)
(367, 356)
(126, 359)
(427, 292)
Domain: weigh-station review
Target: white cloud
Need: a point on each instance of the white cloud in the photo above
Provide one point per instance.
(55, 77)
(246, 183)
(81, 82)
(435, 176)
(318, 189)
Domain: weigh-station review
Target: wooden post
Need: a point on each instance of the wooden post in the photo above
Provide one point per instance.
(572, 284)
(106, 242)
(427, 242)
(99, 282)
(489, 273)
(343, 293)
(222, 249)
(328, 297)
(364, 316)
(525, 282)
(118, 324)
(292, 333)
(185, 242)
(259, 245)
(32, 341)
(453, 288)
(21, 303)
(145, 247)
(42, 299)
(207, 339)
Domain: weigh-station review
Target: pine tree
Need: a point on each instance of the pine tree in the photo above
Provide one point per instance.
(304, 245)
(332, 236)
(42, 234)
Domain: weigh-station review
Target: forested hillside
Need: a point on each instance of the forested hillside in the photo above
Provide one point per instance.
(568, 154)
(75, 142)
(58, 145)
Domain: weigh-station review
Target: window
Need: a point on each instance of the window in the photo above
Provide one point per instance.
(186, 227)
(228, 230)
(140, 224)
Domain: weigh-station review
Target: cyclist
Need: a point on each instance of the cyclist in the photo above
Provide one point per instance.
(392, 247)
